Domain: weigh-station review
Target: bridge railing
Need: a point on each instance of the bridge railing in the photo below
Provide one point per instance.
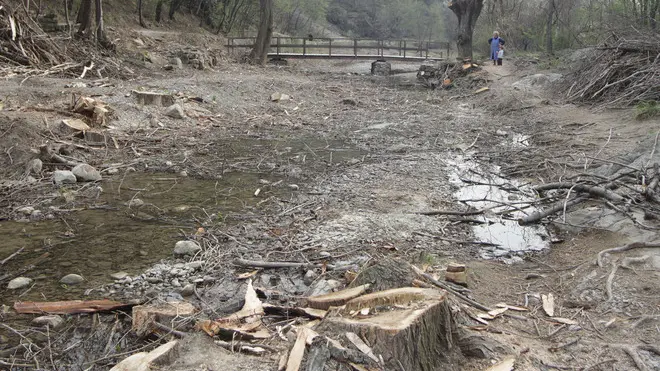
(345, 47)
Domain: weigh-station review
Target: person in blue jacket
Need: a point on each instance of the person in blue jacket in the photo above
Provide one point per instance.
(495, 43)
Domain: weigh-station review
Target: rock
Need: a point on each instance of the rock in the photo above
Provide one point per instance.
(187, 290)
(34, 166)
(150, 98)
(36, 214)
(175, 111)
(310, 276)
(86, 173)
(175, 282)
(177, 63)
(501, 133)
(195, 264)
(381, 68)
(19, 283)
(279, 97)
(63, 177)
(168, 67)
(163, 355)
(52, 321)
(135, 202)
(139, 42)
(186, 248)
(119, 275)
(72, 279)
(183, 174)
(25, 210)
(113, 171)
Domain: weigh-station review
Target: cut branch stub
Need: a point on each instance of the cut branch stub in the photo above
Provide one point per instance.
(336, 299)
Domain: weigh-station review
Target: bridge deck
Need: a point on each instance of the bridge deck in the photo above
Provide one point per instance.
(351, 56)
(342, 48)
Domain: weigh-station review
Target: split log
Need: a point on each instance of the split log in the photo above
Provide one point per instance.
(414, 328)
(144, 316)
(335, 299)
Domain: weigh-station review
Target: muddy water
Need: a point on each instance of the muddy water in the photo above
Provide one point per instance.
(483, 189)
(109, 236)
(101, 234)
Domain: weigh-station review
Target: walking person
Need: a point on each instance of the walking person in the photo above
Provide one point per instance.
(495, 43)
(500, 55)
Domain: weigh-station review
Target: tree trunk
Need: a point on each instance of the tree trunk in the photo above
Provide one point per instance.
(101, 38)
(548, 27)
(66, 14)
(467, 12)
(85, 18)
(159, 10)
(259, 53)
(140, 14)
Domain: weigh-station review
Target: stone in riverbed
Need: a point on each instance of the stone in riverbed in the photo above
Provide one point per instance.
(63, 177)
(187, 290)
(72, 279)
(19, 283)
(86, 173)
(186, 248)
(34, 166)
(175, 111)
(119, 275)
(52, 321)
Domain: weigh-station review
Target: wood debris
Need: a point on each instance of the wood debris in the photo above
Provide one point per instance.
(337, 298)
(68, 307)
(548, 304)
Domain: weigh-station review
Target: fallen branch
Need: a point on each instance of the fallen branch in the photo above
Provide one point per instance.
(559, 206)
(630, 246)
(269, 265)
(449, 212)
(593, 190)
(610, 280)
(11, 256)
(449, 289)
(457, 241)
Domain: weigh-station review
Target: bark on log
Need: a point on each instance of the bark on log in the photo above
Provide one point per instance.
(537, 216)
(593, 190)
(386, 274)
(414, 330)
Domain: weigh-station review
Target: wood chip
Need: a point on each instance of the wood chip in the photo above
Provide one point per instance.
(498, 311)
(511, 307)
(548, 304)
(361, 345)
(565, 321)
(504, 365)
(298, 351)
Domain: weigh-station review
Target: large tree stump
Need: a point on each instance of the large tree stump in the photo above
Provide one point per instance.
(385, 274)
(411, 328)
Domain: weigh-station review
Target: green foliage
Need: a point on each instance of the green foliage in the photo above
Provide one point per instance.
(647, 110)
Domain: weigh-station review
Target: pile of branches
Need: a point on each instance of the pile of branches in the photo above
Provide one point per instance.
(24, 43)
(622, 71)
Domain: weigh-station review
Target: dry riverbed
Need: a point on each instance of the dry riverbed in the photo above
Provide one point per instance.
(347, 171)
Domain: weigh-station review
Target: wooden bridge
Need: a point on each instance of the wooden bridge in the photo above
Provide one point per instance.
(344, 48)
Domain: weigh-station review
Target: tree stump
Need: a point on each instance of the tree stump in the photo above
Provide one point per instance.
(410, 328)
(149, 98)
(384, 275)
(381, 68)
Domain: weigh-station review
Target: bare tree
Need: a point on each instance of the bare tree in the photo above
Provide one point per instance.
(140, 14)
(101, 37)
(259, 53)
(467, 12)
(84, 18)
(548, 26)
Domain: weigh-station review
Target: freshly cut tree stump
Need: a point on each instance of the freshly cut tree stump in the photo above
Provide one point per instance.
(411, 328)
(149, 98)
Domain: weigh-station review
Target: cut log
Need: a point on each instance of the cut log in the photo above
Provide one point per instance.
(412, 328)
(150, 98)
(336, 299)
(145, 315)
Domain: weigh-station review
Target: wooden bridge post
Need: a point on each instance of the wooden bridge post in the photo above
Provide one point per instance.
(428, 45)
(278, 45)
(355, 47)
(330, 47)
(304, 46)
(405, 43)
(448, 49)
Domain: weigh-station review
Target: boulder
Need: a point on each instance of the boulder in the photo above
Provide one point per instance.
(175, 111)
(19, 283)
(72, 279)
(86, 173)
(52, 321)
(63, 177)
(381, 68)
(186, 248)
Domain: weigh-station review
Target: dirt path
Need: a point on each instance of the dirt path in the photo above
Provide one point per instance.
(339, 175)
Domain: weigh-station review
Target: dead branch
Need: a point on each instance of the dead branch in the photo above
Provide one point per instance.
(450, 212)
(559, 206)
(269, 265)
(449, 289)
(593, 190)
(630, 246)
